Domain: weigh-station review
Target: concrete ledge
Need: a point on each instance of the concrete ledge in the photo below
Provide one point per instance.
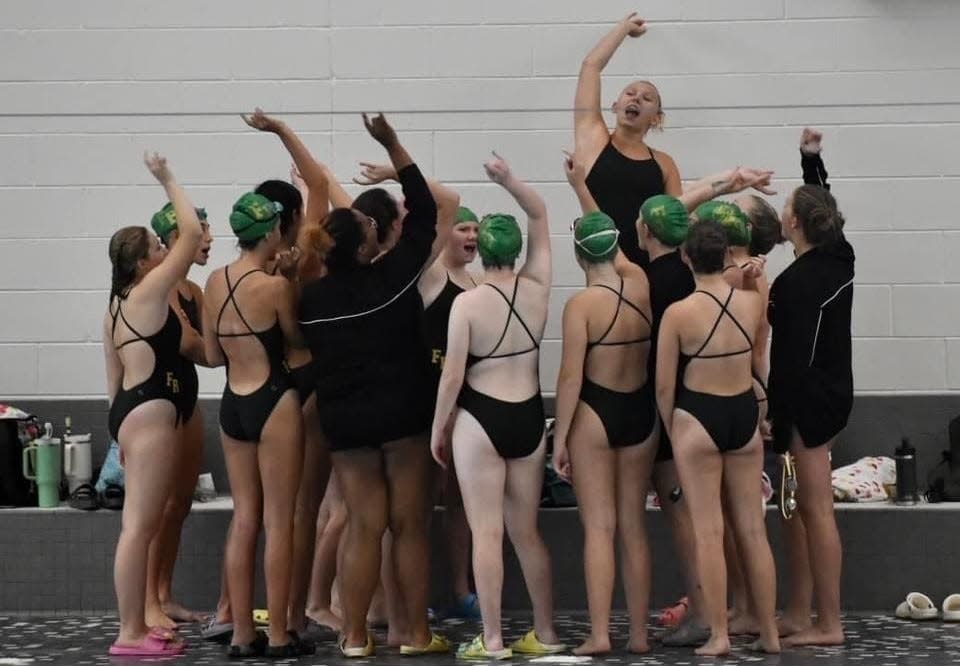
(58, 560)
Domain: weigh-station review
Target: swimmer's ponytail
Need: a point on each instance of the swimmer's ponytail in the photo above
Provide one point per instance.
(127, 247)
(765, 230)
(816, 209)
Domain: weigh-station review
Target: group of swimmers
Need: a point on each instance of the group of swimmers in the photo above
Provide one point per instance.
(357, 344)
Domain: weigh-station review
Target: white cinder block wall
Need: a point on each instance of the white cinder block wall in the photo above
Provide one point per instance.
(85, 87)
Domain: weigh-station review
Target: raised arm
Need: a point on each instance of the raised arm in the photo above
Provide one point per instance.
(569, 383)
(381, 131)
(451, 380)
(590, 131)
(158, 282)
(312, 172)
(339, 197)
(537, 265)
(447, 200)
(420, 224)
(730, 181)
(814, 171)
(577, 177)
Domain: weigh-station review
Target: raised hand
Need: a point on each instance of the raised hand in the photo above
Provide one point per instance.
(497, 169)
(634, 25)
(371, 174)
(261, 121)
(287, 261)
(157, 164)
(758, 179)
(380, 130)
(754, 267)
(576, 173)
(810, 141)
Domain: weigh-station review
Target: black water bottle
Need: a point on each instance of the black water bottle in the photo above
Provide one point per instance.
(906, 459)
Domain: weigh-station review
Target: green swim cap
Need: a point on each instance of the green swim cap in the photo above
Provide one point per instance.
(667, 218)
(499, 240)
(730, 217)
(595, 238)
(464, 214)
(254, 216)
(164, 221)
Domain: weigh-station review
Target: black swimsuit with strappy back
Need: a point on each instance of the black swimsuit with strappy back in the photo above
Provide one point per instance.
(628, 417)
(514, 428)
(243, 416)
(164, 383)
(730, 420)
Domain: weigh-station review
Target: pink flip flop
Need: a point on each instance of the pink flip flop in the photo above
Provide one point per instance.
(150, 646)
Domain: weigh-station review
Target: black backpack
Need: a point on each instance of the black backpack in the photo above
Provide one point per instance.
(15, 490)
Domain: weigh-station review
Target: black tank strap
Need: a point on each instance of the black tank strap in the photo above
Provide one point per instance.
(450, 281)
(513, 311)
(620, 301)
(231, 298)
(723, 311)
(119, 315)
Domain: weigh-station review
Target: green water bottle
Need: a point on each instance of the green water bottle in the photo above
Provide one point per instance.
(42, 464)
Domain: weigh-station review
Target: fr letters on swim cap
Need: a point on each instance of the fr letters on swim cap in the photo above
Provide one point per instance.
(499, 240)
(595, 237)
(464, 214)
(666, 218)
(254, 216)
(730, 217)
(164, 221)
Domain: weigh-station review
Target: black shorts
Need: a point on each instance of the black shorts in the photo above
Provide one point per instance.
(358, 421)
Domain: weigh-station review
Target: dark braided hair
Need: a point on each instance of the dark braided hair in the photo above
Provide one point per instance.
(127, 247)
